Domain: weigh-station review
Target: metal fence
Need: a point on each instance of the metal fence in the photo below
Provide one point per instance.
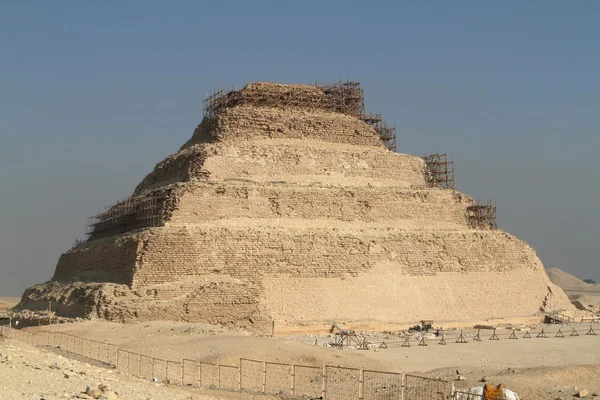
(422, 388)
(465, 394)
(330, 382)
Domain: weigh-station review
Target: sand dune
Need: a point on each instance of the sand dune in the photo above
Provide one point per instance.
(565, 280)
(584, 296)
(8, 302)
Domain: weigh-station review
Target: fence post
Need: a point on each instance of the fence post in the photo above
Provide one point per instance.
(293, 380)
(264, 380)
(324, 383)
(182, 370)
(199, 374)
(239, 375)
(361, 384)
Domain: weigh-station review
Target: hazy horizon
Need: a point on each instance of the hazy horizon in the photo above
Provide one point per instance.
(95, 94)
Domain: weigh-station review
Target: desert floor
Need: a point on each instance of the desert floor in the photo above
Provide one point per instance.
(30, 373)
(536, 368)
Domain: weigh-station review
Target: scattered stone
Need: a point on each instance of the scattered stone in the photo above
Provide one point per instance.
(461, 378)
(582, 393)
(109, 395)
(93, 392)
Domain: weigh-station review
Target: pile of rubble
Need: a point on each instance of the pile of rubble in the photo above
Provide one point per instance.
(25, 318)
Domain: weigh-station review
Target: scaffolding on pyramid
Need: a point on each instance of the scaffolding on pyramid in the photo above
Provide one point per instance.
(344, 97)
(132, 213)
(439, 172)
(482, 216)
(386, 133)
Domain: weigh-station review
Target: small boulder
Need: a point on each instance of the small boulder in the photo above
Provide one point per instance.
(582, 393)
(109, 395)
(94, 393)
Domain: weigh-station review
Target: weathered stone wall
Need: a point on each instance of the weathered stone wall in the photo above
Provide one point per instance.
(289, 160)
(217, 300)
(313, 275)
(248, 253)
(104, 260)
(255, 123)
(175, 168)
(384, 295)
(202, 202)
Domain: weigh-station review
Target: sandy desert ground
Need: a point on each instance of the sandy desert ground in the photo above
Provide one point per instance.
(536, 368)
(30, 373)
(8, 302)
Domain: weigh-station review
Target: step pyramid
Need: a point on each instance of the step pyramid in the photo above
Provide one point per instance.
(286, 206)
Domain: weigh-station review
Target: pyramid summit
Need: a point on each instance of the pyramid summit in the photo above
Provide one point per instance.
(287, 205)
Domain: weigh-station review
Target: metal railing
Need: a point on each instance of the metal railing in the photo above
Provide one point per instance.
(329, 382)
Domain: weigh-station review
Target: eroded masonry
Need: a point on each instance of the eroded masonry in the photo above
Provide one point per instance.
(287, 205)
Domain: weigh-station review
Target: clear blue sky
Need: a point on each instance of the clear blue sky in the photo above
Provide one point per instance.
(94, 93)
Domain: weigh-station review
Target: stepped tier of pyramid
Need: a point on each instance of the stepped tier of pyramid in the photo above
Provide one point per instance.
(286, 206)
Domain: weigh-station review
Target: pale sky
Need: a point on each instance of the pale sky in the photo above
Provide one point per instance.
(93, 94)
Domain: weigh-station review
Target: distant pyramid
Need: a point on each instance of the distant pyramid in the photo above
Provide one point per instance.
(285, 205)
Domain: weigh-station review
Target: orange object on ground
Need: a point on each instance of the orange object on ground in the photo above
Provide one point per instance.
(492, 393)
